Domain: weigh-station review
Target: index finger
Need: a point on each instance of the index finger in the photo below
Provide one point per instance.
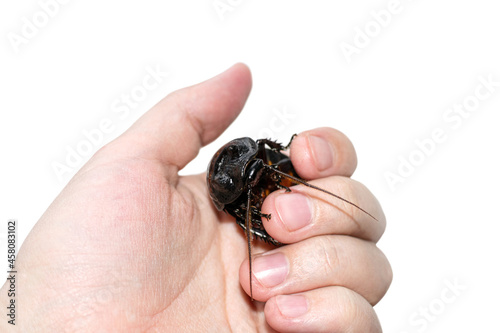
(323, 152)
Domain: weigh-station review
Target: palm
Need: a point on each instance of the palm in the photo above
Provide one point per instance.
(175, 251)
(189, 254)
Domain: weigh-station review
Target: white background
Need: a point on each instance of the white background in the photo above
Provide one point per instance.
(443, 222)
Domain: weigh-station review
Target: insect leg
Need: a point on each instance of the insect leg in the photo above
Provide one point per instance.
(262, 234)
(275, 145)
(272, 144)
(256, 211)
(282, 187)
(256, 223)
(290, 143)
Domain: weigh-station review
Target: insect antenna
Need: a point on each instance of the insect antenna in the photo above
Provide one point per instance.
(303, 182)
(249, 239)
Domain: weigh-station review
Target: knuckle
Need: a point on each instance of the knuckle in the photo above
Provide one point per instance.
(322, 259)
(329, 256)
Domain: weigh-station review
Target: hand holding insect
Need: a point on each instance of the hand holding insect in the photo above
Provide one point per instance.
(243, 173)
(129, 245)
(331, 259)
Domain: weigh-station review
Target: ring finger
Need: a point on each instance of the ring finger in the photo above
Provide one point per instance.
(320, 262)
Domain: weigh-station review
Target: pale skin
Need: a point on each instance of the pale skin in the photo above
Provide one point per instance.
(131, 246)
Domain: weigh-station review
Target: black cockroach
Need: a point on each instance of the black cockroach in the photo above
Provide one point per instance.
(243, 173)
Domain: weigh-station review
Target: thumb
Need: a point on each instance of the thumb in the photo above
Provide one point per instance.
(175, 129)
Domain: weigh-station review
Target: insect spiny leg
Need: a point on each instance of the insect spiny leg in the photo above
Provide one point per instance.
(261, 234)
(290, 143)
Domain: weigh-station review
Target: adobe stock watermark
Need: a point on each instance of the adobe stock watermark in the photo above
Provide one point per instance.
(453, 118)
(34, 23)
(430, 312)
(363, 36)
(282, 117)
(121, 107)
(222, 7)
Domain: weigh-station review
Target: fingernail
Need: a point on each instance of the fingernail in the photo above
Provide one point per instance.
(322, 152)
(292, 305)
(271, 269)
(294, 210)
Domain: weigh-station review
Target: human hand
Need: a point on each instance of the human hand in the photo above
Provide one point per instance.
(129, 245)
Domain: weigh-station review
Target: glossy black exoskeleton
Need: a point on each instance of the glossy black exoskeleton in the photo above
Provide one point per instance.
(238, 173)
(242, 174)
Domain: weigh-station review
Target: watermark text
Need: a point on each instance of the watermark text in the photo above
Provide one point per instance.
(453, 118)
(33, 24)
(93, 138)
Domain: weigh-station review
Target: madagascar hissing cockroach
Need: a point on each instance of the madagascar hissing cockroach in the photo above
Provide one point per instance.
(243, 173)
